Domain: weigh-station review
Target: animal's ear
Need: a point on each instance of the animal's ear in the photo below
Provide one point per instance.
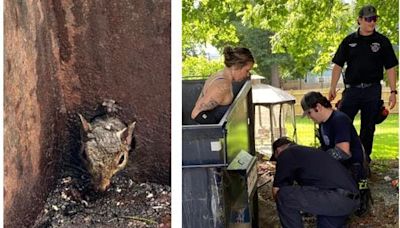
(85, 124)
(131, 127)
(126, 134)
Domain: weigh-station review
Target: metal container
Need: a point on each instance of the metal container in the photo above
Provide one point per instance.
(218, 163)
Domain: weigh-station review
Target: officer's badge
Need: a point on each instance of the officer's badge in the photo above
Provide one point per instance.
(353, 45)
(375, 47)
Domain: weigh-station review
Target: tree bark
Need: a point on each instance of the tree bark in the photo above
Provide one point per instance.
(275, 79)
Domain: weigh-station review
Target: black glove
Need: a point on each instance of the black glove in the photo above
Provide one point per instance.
(338, 154)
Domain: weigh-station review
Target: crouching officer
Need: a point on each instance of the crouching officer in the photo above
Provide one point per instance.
(339, 138)
(323, 186)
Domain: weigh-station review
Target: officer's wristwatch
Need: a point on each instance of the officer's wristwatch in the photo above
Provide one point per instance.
(393, 91)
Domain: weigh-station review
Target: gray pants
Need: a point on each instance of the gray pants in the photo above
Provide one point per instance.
(331, 207)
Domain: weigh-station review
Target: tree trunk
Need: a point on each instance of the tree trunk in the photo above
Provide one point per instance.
(275, 76)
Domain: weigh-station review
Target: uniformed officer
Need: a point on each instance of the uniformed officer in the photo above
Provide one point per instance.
(367, 53)
(339, 138)
(323, 186)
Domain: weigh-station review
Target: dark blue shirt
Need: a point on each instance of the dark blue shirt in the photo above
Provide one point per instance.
(309, 166)
(339, 128)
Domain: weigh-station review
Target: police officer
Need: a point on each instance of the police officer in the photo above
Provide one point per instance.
(339, 138)
(324, 187)
(367, 53)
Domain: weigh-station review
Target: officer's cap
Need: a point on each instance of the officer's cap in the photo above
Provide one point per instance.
(367, 11)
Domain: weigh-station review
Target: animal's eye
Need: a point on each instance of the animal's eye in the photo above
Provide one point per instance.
(121, 160)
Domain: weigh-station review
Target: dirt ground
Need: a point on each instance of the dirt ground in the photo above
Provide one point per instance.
(383, 213)
(124, 204)
(130, 204)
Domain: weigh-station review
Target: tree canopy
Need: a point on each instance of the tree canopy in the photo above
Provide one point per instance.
(200, 66)
(302, 35)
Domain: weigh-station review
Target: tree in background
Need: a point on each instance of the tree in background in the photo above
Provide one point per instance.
(203, 23)
(197, 67)
(300, 35)
(207, 22)
(218, 23)
(258, 41)
(310, 30)
(307, 30)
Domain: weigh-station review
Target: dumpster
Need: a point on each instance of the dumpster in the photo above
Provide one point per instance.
(219, 171)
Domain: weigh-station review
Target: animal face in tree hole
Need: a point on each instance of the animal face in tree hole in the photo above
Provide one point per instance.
(106, 142)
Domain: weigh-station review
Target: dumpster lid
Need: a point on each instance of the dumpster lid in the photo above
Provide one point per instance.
(242, 161)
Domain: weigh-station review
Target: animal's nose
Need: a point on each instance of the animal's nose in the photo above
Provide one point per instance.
(103, 186)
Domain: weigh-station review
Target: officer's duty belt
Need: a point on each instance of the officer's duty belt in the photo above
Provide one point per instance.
(360, 86)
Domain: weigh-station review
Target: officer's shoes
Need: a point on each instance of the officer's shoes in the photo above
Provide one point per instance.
(360, 212)
(365, 202)
(368, 171)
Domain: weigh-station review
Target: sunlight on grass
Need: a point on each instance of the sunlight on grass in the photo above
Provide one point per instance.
(386, 138)
(236, 140)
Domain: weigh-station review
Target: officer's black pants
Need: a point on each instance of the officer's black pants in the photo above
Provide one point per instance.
(331, 208)
(366, 100)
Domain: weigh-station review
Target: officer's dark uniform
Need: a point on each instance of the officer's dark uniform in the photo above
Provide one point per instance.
(338, 128)
(366, 57)
(324, 187)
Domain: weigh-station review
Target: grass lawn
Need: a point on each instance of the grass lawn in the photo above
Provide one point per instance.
(386, 140)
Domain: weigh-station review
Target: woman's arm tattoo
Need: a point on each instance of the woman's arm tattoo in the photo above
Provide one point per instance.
(209, 105)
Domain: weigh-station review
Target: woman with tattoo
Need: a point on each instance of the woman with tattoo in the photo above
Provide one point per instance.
(217, 95)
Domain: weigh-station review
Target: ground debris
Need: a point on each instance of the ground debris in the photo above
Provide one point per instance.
(266, 167)
(124, 204)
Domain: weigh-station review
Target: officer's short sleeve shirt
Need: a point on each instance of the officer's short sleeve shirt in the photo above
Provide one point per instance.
(339, 128)
(366, 57)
